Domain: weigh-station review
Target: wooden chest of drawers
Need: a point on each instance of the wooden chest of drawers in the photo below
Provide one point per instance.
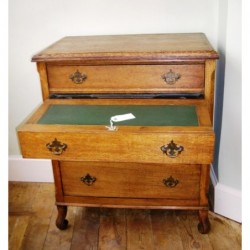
(160, 158)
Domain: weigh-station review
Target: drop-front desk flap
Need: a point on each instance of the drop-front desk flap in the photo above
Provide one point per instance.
(83, 126)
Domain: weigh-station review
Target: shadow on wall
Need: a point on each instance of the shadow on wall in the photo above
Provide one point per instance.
(219, 96)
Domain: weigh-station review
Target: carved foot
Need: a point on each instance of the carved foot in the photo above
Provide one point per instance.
(61, 222)
(204, 224)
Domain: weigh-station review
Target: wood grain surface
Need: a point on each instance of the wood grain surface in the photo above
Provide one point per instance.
(32, 226)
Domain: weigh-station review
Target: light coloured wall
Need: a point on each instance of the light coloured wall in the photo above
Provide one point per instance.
(230, 146)
(34, 25)
(228, 195)
(230, 150)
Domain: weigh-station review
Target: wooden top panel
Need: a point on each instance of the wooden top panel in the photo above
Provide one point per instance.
(132, 47)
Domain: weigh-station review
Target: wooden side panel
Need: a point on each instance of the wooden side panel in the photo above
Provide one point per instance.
(209, 86)
(58, 181)
(41, 67)
(204, 185)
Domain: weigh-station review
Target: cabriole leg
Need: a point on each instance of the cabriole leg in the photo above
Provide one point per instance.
(204, 224)
(61, 222)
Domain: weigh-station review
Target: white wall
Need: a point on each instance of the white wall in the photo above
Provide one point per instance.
(230, 146)
(228, 192)
(35, 24)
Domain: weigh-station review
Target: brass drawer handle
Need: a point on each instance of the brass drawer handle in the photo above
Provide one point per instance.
(78, 77)
(170, 182)
(56, 147)
(172, 150)
(171, 77)
(88, 179)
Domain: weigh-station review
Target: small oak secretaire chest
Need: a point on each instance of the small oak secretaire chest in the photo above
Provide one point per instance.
(127, 121)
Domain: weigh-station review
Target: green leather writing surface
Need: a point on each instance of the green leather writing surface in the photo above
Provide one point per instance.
(146, 115)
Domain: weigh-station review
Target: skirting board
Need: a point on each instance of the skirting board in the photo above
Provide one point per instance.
(227, 201)
(30, 170)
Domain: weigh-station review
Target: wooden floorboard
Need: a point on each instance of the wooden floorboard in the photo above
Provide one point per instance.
(112, 231)
(32, 214)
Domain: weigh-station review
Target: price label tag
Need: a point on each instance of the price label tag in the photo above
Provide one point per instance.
(119, 118)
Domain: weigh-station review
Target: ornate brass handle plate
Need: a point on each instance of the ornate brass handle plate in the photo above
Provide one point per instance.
(170, 182)
(171, 77)
(172, 150)
(78, 77)
(56, 147)
(88, 179)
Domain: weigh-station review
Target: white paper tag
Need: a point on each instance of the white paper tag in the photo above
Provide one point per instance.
(119, 118)
(124, 117)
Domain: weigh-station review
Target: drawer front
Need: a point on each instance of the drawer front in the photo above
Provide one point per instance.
(130, 180)
(126, 78)
(192, 148)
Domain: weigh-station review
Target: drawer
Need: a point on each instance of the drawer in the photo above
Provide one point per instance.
(120, 146)
(126, 78)
(130, 180)
(149, 142)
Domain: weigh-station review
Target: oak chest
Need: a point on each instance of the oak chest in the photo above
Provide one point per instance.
(127, 121)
